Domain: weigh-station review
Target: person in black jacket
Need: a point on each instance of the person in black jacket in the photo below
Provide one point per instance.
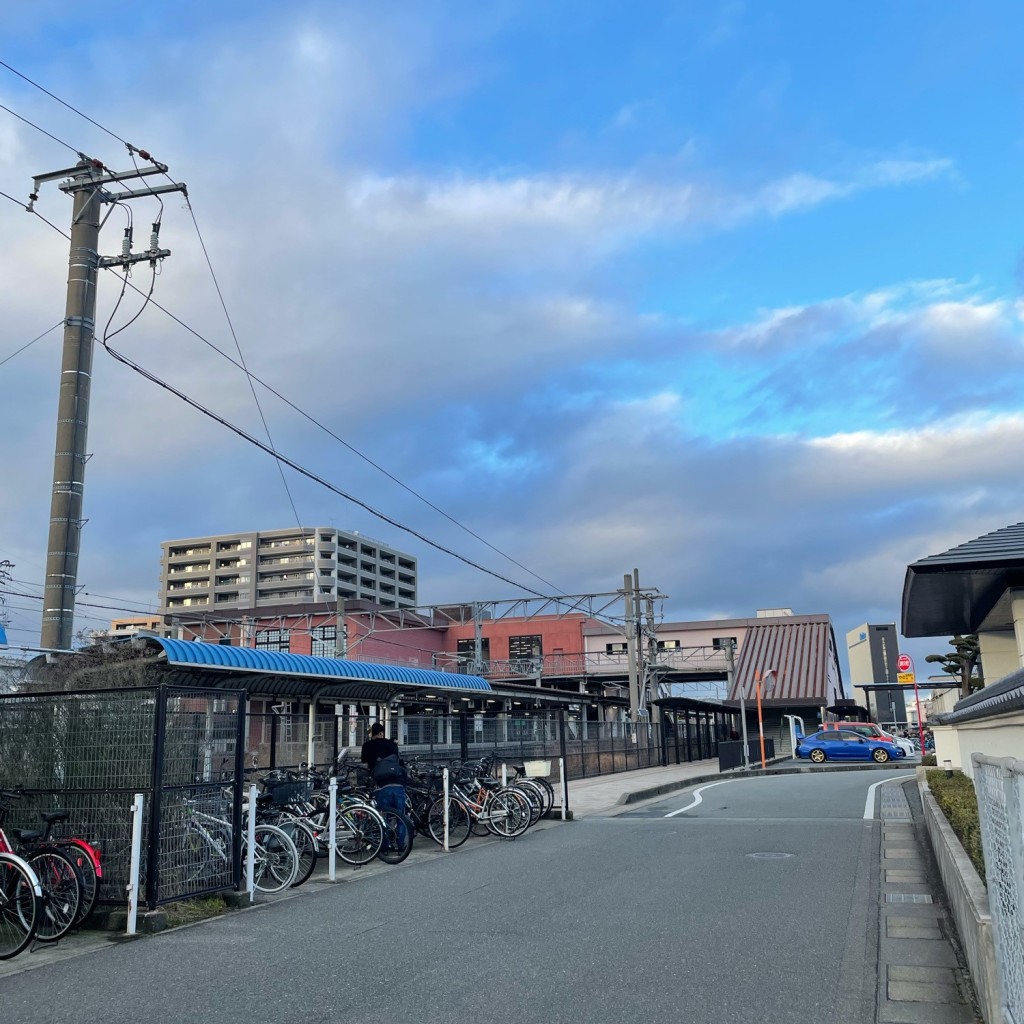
(376, 747)
(380, 755)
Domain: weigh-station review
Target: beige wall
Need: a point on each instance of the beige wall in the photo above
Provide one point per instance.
(999, 655)
(996, 737)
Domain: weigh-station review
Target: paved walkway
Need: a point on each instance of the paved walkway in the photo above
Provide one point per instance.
(605, 793)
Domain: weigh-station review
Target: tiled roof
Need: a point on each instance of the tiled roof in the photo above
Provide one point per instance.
(1000, 698)
(802, 650)
(954, 591)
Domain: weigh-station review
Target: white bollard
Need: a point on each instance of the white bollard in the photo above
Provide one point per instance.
(444, 776)
(133, 872)
(332, 831)
(563, 784)
(504, 774)
(250, 846)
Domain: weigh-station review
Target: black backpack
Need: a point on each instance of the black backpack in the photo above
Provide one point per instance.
(388, 771)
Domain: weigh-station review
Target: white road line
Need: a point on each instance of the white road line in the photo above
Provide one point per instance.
(869, 803)
(697, 798)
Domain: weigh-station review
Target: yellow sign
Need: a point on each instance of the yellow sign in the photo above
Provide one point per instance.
(904, 677)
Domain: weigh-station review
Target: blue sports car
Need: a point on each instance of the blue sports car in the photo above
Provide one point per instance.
(843, 745)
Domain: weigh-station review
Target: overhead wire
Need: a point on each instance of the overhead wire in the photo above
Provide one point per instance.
(39, 128)
(18, 351)
(252, 377)
(309, 474)
(241, 356)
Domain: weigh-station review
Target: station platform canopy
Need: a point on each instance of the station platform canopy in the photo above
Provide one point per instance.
(278, 673)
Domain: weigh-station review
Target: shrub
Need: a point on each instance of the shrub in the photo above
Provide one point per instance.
(959, 803)
(928, 761)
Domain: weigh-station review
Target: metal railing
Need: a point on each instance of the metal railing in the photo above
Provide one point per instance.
(673, 659)
(999, 783)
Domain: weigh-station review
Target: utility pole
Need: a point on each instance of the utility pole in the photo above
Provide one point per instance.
(86, 183)
(730, 667)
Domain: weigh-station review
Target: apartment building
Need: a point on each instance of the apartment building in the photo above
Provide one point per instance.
(315, 565)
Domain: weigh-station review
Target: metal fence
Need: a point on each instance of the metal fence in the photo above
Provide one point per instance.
(589, 748)
(89, 752)
(999, 783)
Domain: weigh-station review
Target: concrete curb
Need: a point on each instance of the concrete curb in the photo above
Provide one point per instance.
(671, 787)
(968, 903)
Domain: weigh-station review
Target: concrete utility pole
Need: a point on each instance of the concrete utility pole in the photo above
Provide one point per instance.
(86, 186)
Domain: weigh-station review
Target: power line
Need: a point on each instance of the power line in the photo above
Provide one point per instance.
(18, 351)
(63, 103)
(49, 135)
(251, 377)
(245, 369)
(309, 474)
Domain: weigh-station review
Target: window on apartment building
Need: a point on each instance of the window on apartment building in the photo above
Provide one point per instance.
(228, 595)
(323, 640)
(367, 550)
(273, 639)
(615, 648)
(524, 647)
(718, 642)
(669, 645)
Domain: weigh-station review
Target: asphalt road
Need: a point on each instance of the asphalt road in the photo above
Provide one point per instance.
(638, 917)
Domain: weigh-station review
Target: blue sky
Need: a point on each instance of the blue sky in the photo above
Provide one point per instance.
(725, 291)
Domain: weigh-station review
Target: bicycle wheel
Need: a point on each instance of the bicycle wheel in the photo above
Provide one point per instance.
(305, 842)
(398, 837)
(20, 905)
(82, 856)
(547, 789)
(61, 885)
(507, 814)
(533, 796)
(360, 835)
(275, 860)
(459, 822)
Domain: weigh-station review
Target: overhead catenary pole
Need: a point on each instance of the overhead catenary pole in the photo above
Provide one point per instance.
(631, 651)
(730, 668)
(87, 183)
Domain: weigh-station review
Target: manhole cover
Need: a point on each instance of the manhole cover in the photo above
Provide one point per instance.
(770, 856)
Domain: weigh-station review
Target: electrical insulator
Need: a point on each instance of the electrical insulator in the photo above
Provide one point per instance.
(154, 238)
(126, 244)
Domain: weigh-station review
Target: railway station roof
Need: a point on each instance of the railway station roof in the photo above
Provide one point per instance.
(279, 673)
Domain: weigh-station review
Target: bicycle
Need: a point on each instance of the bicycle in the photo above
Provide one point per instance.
(58, 878)
(21, 902)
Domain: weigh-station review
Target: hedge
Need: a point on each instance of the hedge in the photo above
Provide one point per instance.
(959, 803)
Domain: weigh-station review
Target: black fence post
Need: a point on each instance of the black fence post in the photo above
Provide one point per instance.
(561, 741)
(156, 781)
(675, 732)
(334, 745)
(463, 736)
(273, 739)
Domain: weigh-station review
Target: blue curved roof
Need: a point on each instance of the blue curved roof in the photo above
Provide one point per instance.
(280, 663)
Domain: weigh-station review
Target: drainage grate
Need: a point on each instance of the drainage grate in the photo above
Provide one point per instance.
(770, 856)
(906, 897)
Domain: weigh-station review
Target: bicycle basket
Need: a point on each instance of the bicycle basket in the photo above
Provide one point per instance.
(290, 792)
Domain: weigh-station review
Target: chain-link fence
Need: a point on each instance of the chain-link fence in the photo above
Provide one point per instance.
(89, 752)
(999, 783)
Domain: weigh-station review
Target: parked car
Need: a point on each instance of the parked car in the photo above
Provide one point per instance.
(872, 731)
(846, 745)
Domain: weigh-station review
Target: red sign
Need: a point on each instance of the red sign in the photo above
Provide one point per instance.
(904, 663)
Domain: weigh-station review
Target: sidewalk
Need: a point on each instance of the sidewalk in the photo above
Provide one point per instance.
(607, 793)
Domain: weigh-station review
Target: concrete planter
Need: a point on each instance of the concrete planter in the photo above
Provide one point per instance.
(968, 903)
